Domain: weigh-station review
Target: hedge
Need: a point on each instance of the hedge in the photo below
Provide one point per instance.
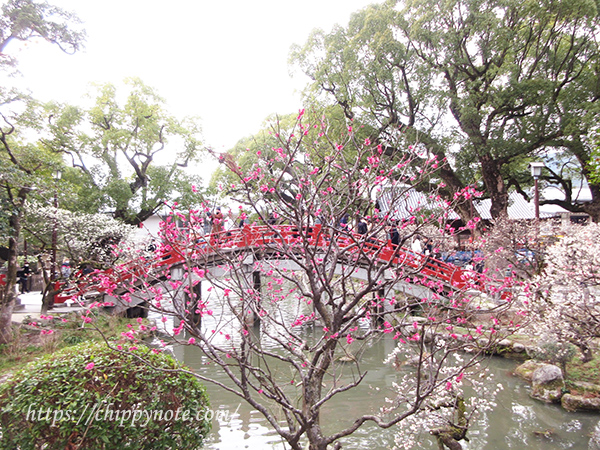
(91, 397)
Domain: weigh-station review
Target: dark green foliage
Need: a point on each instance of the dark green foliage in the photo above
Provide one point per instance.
(58, 403)
(486, 85)
(116, 137)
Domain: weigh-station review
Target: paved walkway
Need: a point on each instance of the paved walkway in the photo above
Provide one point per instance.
(31, 305)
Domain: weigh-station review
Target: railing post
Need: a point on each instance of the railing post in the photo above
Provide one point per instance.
(252, 318)
(377, 309)
(194, 318)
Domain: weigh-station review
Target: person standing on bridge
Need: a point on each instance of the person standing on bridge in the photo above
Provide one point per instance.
(362, 227)
(66, 269)
(428, 249)
(394, 236)
(208, 222)
(217, 221)
(344, 226)
(416, 246)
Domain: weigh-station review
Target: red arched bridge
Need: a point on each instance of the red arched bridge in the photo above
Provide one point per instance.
(429, 275)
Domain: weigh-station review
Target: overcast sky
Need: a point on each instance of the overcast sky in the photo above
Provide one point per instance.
(224, 61)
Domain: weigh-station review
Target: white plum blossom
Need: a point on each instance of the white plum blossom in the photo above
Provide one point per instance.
(565, 303)
(80, 236)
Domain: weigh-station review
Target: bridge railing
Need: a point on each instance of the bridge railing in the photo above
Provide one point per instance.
(428, 266)
(267, 237)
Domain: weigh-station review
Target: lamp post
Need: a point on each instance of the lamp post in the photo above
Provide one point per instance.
(536, 172)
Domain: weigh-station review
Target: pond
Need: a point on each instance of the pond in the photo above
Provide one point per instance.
(516, 422)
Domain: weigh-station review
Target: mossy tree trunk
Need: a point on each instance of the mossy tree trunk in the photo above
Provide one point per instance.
(449, 435)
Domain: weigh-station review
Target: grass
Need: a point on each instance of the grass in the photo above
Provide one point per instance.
(588, 372)
(29, 343)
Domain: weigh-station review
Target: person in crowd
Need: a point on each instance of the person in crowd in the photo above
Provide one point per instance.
(362, 227)
(217, 221)
(208, 222)
(478, 260)
(428, 247)
(416, 246)
(23, 276)
(65, 269)
(344, 222)
(394, 236)
(152, 246)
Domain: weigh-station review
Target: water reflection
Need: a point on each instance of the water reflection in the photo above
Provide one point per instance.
(516, 422)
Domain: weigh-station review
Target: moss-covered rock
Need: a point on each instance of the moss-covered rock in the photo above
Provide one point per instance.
(525, 370)
(572, 402)
(547, 383)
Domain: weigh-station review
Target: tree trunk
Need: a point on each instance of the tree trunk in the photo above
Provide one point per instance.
(48, 292)
(593, 206)
(10, 293)
(446, 439)
(586, 353)
(48, 298)
(312, 389)
(311, 396)
(584, 157)
(6, 310)
(495, 186)
(450, 434)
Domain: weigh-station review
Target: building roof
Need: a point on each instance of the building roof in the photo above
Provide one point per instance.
(518, 208)
(403, 202)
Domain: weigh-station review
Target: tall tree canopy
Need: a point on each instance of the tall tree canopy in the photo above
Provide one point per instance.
(131, 153)
(486, 84)
(24, 167)
(25, 20)
(265, 145)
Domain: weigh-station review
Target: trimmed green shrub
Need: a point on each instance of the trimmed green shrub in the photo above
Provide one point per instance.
(92, 397)
(553, 351)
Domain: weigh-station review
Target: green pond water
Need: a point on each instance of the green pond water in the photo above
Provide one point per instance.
(514, 423)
